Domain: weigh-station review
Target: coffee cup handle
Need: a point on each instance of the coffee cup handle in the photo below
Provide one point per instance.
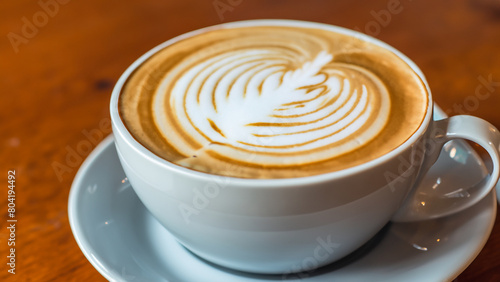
(456, 127)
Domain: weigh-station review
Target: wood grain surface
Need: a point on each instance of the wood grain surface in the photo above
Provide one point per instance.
(59, 60)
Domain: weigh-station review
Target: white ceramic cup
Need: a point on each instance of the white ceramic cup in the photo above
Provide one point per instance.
(291, 225)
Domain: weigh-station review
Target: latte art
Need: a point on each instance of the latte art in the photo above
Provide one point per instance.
(252, 101)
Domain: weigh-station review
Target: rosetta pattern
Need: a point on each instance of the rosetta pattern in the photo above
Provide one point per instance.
(260, 104)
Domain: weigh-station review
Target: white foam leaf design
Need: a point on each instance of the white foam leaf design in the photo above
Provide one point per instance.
(262, 101)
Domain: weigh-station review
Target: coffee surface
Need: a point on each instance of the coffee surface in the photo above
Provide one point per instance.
(272, 102)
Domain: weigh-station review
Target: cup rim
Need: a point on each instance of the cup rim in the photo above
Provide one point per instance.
(119, 127)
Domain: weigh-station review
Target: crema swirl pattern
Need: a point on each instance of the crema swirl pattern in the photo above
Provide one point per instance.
(252, 100)
(260, 100)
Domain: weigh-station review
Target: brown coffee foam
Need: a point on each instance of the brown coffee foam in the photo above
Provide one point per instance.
(406, 115)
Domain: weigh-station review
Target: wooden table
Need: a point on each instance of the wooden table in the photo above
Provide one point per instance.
(59, 60)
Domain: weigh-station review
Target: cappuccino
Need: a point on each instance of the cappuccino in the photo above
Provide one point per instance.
(272, 102)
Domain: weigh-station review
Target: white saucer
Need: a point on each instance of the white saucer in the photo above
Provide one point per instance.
(125, 243)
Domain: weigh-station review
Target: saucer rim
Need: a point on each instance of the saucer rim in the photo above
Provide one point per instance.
(73, 203)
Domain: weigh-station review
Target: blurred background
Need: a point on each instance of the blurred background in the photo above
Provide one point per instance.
(59, 60)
